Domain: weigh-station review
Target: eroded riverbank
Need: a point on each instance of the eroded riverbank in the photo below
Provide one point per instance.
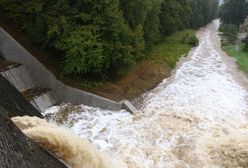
(196, 118)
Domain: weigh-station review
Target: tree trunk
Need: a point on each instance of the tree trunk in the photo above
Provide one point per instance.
(246, 43)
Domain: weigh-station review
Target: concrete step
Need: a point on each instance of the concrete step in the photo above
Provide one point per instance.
(40, 98)
(16, 74)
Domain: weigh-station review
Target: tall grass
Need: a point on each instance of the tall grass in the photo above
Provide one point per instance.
(172, 48)
(239, 54)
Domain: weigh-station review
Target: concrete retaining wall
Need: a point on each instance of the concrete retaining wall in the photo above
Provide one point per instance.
(41, 77)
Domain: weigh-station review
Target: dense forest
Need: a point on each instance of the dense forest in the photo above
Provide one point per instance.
(234, 11)
(105, 37)
(234, 16)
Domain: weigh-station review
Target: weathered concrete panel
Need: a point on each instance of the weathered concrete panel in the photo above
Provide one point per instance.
(18, 77)
(43, 101)
(128, 106)
(41, 77)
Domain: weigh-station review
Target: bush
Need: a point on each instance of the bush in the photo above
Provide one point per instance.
(246, 30)
(190, 39)
(229, 32)
(246, 43)
(83, 52)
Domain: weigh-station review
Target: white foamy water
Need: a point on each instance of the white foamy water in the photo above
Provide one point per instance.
(197, 118)
(201, 85)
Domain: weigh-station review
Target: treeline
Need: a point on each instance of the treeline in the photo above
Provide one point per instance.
(105, 37)
(233, 14)
(234, 11)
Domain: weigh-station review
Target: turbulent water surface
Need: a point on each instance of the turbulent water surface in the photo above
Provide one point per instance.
(196, 118)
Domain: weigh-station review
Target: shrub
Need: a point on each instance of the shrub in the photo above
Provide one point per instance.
(83, 52)
(246, 30)
(246, 43)
(229, 31)
(190, 39)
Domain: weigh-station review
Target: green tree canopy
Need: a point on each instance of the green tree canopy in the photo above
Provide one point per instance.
(234, 11)
(105, 36)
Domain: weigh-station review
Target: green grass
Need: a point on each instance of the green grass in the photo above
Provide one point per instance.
(239, 54)
(169, 52)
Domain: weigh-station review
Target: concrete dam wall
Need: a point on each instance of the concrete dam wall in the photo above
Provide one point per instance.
(43, 78)
(18, 76)
(16, 149)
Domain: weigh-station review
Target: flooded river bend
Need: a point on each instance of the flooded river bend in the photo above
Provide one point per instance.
(195, 119)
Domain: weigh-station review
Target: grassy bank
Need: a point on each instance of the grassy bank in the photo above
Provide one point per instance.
(239, 54)
(170, 51)
(152, 70)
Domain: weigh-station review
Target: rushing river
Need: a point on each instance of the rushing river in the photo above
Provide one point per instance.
(195, 119)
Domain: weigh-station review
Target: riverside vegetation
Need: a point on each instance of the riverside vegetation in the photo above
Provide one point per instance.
(103, 40)
(234, 18)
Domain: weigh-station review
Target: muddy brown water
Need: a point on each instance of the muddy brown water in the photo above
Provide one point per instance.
(196, 118)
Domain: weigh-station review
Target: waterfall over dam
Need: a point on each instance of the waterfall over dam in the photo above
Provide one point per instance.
(18, 76)
(196, 118)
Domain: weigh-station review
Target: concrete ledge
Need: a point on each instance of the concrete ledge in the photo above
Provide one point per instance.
(128, 106)
(41, 77)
